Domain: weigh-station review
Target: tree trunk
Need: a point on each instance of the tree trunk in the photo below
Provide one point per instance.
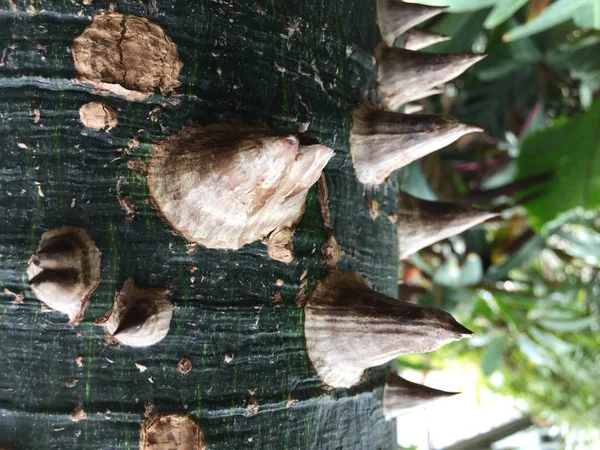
(291, 65)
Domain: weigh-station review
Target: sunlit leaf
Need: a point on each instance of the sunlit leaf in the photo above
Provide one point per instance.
(492, 356)
(582, 11)
(448, 274)
(550, 342)
(536, 354)
(502, 11)
(458, 5)
(589, 16)
(471, 271)
(578, 241)
(504, 311)
(482, 309)
(569, 325)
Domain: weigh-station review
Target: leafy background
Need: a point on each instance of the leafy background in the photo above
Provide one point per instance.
(528, 283)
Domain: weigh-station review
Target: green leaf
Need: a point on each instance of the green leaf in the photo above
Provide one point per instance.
(580, 58)
(536, 354)
(585, 13)
(579, 241)
(516, 259)
(550, 342)
(505, 312)
(464, 28)
(482, 309)
(569, 325)
(503, 10)
(492, 357)
(471, 271)
(570, 150)
(506, 58)
(459, 5)
(448, 274)
(415, 183)
(588, 16)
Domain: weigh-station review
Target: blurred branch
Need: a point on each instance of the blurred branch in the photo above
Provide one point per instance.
(485, 440)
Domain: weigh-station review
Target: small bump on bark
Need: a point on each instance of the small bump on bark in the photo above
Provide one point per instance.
(65, 271)
(139, 317)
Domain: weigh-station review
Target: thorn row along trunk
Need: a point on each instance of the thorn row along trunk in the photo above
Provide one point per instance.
(171, 150)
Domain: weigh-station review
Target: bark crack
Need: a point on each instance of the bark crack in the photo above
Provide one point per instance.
(120, 46)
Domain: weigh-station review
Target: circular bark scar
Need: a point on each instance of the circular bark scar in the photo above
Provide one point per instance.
(171, 432)
(97, 116)
(127, 50)
(184, 365)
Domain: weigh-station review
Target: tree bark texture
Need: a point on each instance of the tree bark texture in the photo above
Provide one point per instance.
(286, 64)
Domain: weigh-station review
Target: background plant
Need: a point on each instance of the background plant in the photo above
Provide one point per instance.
(527, 283)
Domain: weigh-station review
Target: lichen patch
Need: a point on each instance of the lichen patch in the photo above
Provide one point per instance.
(97, 116)
(128, 51)
(171, 432)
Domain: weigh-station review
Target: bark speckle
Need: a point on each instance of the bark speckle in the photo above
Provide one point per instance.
(184, 365)
(78, 414)
(253, 405)
(97, 116)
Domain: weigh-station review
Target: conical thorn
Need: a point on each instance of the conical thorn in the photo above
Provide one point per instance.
(404, 74)
(422, 223)
(384, 141)
(401, 396)
(396, 17)
(341, 350)
(416, 39)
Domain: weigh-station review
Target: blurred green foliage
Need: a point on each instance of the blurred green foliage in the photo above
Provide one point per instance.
(527, 284)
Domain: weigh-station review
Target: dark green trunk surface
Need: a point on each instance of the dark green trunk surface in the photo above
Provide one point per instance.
(226, 305)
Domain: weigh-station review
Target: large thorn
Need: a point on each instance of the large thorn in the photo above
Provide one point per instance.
(349, 327)
(396, 17)
(422, 222)
(383, 141)
(417, 39)
(401, 396)
(404, 74)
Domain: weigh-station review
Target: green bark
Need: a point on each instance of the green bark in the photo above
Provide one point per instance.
(226, 305)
